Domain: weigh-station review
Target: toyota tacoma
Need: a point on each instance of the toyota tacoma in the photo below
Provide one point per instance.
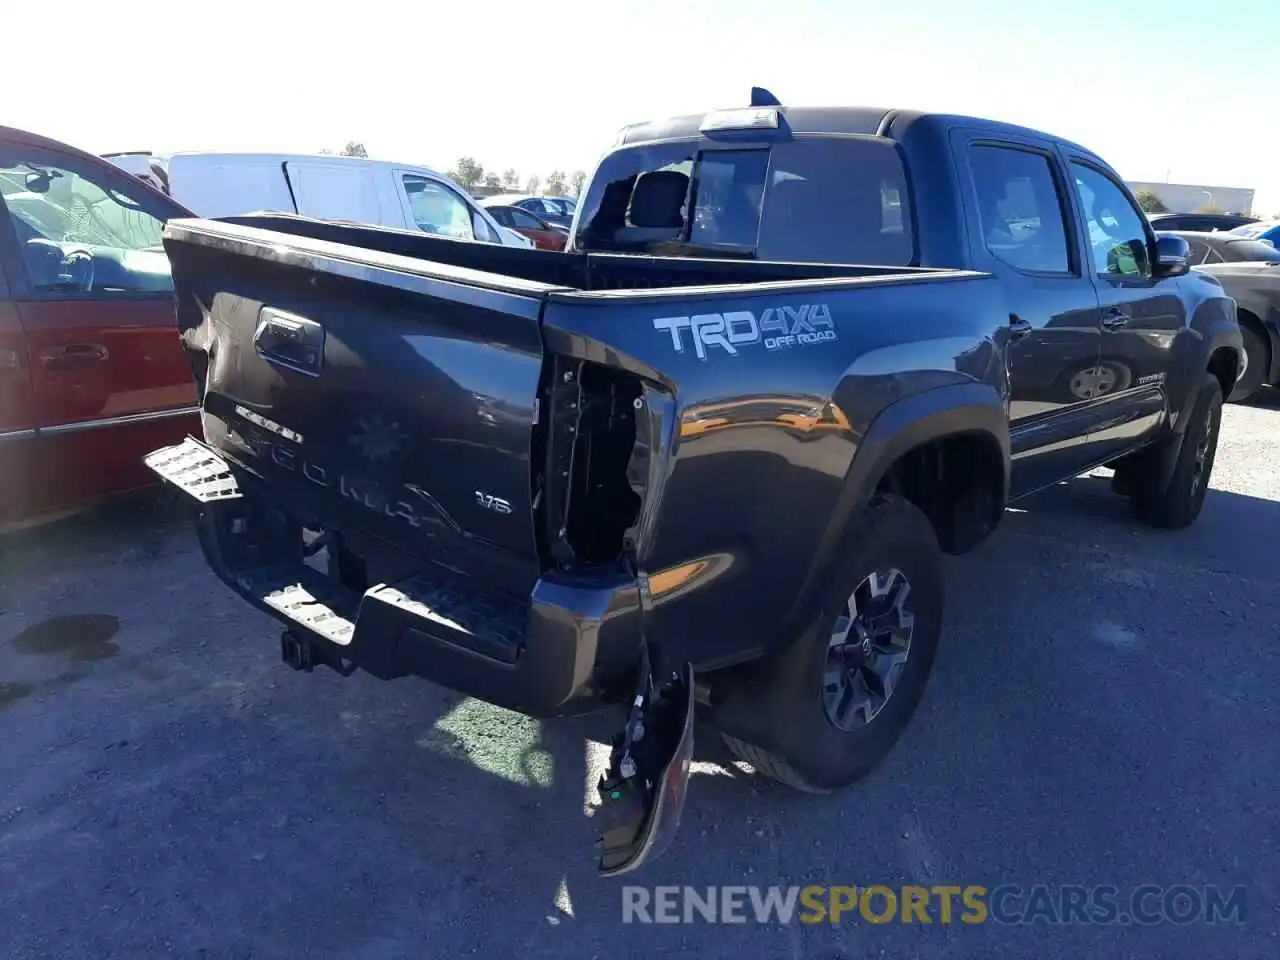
(715, 450)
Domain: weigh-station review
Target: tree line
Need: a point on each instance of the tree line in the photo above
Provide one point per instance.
(470, 174)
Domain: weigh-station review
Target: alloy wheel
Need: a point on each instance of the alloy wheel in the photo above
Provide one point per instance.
(868, 649)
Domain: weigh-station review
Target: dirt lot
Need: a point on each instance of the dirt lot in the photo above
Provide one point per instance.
(1104, 711)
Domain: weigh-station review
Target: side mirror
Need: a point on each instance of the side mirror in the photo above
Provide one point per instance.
(1173, 256)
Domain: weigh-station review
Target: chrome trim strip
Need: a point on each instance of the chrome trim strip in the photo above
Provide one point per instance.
(77, 426)
(24, 434)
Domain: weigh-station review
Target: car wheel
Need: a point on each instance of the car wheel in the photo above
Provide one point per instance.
(840, 697)
(1255, 371)
(1178, 502)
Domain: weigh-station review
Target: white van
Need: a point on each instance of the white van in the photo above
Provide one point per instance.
(322, 186)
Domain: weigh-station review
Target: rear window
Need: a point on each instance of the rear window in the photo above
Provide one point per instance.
(830, 199)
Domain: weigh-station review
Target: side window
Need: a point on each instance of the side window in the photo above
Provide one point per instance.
(438, 210)
(1020, 208)
(1116, 232)
(81, 231)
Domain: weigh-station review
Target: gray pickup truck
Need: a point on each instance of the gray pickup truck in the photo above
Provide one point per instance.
(714, 451)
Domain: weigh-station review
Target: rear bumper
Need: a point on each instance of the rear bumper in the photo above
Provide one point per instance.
(568, 648)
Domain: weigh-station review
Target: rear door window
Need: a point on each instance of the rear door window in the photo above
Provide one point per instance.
(819, 199)
(1021, 208)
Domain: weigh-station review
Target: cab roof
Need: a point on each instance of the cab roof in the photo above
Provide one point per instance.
(835, 121)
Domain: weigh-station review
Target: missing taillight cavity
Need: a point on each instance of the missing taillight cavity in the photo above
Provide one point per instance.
(591, 501)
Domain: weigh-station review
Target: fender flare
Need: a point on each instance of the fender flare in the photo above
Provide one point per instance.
(945, 411)
(1217, 337)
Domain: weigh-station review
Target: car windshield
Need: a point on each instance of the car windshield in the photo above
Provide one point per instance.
(60, 206)
(822, 199)
(1253, 250)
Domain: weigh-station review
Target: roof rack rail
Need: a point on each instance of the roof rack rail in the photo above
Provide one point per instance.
(760, 97)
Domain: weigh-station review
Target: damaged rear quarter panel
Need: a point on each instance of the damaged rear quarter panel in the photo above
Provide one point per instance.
(753, 441)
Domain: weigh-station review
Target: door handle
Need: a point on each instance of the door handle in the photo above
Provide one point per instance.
(70, 355)
(1018, 328)
(1114, 319)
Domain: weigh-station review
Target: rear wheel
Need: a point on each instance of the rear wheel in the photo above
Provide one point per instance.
(1177, 503)
(840, 697)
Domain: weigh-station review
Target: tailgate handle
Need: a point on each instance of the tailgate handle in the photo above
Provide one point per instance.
(290, 341)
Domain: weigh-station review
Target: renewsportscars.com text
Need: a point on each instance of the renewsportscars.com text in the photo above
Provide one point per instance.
(942, 903)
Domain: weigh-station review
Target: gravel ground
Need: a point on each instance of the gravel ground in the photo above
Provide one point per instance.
(1103, 711)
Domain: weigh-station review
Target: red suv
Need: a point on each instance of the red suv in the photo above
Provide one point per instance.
(92, 375)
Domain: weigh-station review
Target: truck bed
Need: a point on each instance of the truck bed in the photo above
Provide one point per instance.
(485, 437)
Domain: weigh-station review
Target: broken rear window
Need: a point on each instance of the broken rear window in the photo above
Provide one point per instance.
(822, 199)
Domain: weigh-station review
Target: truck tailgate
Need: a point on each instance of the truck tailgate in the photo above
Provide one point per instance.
(371, 394)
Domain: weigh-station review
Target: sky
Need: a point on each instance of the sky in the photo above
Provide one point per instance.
(1177, 90)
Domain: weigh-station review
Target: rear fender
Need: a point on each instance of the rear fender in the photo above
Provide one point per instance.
(946, 411)
(1214, 330)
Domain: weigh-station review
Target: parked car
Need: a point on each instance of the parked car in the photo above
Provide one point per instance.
(1199, 222)
(1255, 287)
(91, 372)
(551, 210)
(1267, 231)
(568, 204)
(545, 236)
(1224, 246)
(327, 187)
(722, 443)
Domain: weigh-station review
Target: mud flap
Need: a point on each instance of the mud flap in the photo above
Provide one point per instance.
(642, 794)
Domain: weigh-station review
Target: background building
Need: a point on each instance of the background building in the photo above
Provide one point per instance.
(1190, 197)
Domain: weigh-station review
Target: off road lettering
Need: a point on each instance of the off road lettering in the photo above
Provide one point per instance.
(777, 328)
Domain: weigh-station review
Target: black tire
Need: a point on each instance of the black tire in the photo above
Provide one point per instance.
(1255, 350)
(1176, 504)
(808, 750)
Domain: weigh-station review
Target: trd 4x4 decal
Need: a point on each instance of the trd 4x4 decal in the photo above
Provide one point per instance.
(777, 328)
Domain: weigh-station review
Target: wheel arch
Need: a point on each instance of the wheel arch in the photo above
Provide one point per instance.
(961, 418)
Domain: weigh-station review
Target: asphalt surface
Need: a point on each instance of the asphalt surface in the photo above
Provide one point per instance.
(1103, 711)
